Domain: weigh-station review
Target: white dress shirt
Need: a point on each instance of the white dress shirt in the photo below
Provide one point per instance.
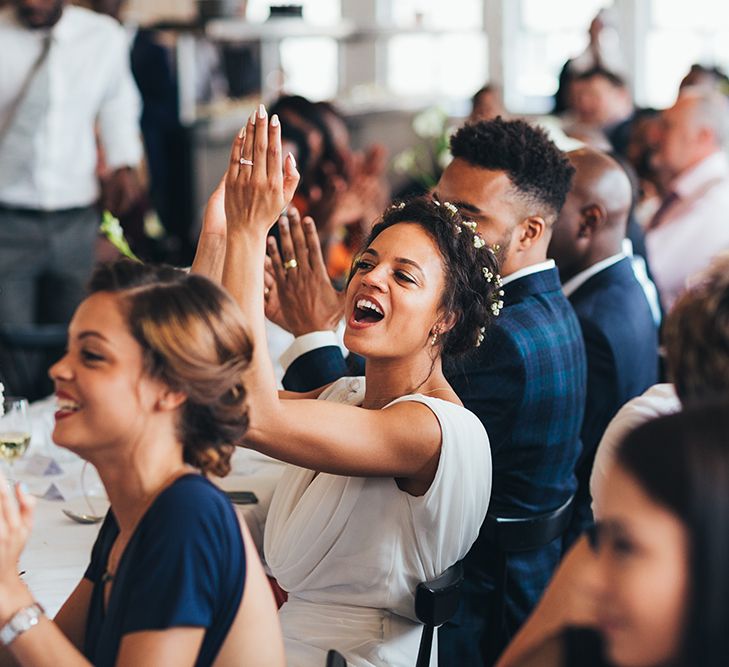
(693, 229)
(53, 166)
(578, 280)
(527, 271)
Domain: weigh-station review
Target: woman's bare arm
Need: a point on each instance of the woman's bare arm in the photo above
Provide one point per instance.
(401, 441)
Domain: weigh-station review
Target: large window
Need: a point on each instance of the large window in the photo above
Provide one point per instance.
(681, 33)
(539, 37)
(449, 58)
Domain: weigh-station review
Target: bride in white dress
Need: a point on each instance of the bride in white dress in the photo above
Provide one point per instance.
(390, 475)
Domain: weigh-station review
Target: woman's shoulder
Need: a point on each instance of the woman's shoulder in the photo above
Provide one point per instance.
(191, 499)
(449, 413)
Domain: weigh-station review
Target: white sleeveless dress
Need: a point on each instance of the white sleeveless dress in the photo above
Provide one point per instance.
(351, 550)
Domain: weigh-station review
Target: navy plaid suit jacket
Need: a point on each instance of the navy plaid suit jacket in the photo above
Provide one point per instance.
(527, 385)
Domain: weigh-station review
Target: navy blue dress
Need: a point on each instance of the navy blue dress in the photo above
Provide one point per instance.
(184, 566)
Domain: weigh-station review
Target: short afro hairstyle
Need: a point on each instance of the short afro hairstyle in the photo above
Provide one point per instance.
(537, 169)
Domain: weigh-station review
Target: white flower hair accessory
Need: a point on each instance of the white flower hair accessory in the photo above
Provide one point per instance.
(497, 303)
(478, 242)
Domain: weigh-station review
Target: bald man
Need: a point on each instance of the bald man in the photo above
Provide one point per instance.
(692, 224)
(620, 334)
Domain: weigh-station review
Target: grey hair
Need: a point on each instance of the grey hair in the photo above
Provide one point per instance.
(712, 111)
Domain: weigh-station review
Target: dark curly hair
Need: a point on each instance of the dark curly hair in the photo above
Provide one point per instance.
(468, 294)
(540, 173)
(193, 339)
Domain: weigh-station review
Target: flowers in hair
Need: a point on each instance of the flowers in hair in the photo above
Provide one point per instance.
(480, 337)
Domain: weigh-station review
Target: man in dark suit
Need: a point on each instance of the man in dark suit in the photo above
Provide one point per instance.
(621, 338)
(527, 380)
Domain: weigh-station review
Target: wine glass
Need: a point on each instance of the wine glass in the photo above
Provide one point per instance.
(14, 430)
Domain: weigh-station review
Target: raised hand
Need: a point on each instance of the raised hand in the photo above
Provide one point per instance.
(214, 221)
(259, 184)
(308, 300)
(210, 252)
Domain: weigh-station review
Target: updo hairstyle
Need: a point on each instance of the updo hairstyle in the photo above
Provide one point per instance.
(193, 339)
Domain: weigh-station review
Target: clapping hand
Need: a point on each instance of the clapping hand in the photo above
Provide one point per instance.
(272, 304)
(258, 183)
(16, 520)
(210, 252)
(307, 298)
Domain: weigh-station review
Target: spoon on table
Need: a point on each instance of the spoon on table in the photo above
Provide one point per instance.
(82, 518)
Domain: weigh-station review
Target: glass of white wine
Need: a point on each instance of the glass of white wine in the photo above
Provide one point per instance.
(14, 430)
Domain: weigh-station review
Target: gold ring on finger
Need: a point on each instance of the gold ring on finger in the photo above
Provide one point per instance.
(290, 264)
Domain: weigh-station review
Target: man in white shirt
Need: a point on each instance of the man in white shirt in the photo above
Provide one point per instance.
(692, 223)
(620, 334)
(65, 76)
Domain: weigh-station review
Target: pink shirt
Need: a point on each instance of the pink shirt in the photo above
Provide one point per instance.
(693, 229)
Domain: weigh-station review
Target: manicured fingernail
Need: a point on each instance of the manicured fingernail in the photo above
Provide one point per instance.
(261, 111)
(291, 157)
(252, 119)
(284, 221)
(23, 488)
(274, 120)
(242, 133)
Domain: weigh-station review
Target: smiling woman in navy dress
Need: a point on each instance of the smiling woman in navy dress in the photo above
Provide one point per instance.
(149, 392)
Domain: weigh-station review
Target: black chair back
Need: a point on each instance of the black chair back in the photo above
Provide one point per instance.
(26, 351)
(335, 659)
(513, 535)
(436, 602)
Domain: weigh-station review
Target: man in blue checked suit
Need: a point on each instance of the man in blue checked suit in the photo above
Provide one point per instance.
(621, 337)
(527, 380)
